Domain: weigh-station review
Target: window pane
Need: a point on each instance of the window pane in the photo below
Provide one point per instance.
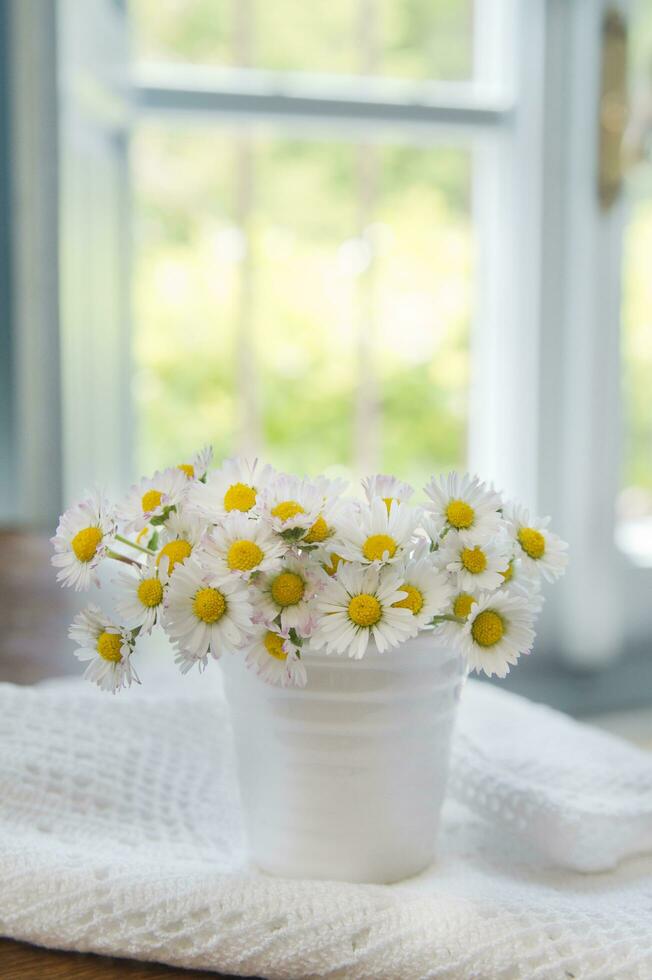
(421, 39)
(308, 300)
(635, 503)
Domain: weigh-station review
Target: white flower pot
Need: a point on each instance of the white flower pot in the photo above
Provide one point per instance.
(345, 778)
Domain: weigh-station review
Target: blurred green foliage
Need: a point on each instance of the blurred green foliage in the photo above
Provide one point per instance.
(315, 274)
(425, 39)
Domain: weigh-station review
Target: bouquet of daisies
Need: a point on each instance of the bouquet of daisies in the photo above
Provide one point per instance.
(248, 561)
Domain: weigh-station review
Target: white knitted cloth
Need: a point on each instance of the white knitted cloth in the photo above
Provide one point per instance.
(120, 833)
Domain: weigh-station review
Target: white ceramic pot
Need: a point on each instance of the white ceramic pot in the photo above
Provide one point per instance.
(345, 778)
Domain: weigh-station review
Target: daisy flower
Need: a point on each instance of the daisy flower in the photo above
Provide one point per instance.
(180, 536)
(374, 534)
(241, 545)
(292, 506)
(197, 468)
(275, 659)
(151, 498)
(427, 589)
(204, 613)
(288, 593)
(106, 648)
(234, 486)
(140, 595)
(496, 633)
(477, 566)
(330, 562)
(386, 487)
(517, 577)
(461, 604)
(83, 535)
(463, 504)
(331, 488)
(542, 552)
(325, 526)
(359, 604)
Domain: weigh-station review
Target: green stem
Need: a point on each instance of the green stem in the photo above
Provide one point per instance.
(132, 544)
(122, 558)
(447, 619)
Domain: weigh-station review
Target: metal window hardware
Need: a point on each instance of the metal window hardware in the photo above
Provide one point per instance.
(613, 108)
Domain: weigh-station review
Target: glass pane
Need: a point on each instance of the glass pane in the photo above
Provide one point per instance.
(421, 39)
(635, 502)
(307, 300)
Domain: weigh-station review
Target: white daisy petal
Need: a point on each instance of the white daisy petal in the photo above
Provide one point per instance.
(106, 648)
(463, 504)
(359, 604)
(84, 533)
(388, 488)
(276, 659)
(205, 613)
(541, 552)
(294, 508)
(427, 589)
(152, 498)
(140, 596)
(372, 534)
(478, 566)
(241, 545)
(197, 468)
(498, 630)
(287, 594)
(235, 486)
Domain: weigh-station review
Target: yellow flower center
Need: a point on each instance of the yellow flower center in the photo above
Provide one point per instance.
(377, 545)
(462, 605)
(474, 560)
(508, 573)
(488, 628)
(188, 469)
(175, 551)
(388, 501)
(209, 605)
(287, 589)
(335, 560)
(365, 610)
(459, 514)
(318, 532)
(151, 500)
(244, 555)
(274, 646)
(239, 496)
(85, 543)
(108, 647)
(532, 542)
(287, 509)
(150, 592)
(413, 600)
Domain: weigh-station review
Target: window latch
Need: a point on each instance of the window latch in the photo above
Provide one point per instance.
(613, 108)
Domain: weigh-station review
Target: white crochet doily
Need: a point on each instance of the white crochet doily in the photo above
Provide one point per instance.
(120, 833)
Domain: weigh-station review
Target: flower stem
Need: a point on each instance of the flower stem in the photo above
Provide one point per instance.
(132, 544)
(122, 558)
(447, 619)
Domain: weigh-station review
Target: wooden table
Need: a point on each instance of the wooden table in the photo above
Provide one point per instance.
(34, 617)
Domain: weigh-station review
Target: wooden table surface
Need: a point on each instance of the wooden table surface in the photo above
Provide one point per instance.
(34, 617)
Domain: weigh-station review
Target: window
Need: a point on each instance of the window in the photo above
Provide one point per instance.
(305, 287)
(378, 244)
(635, 499)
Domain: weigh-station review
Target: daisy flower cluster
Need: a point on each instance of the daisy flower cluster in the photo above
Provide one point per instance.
(248, 561)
